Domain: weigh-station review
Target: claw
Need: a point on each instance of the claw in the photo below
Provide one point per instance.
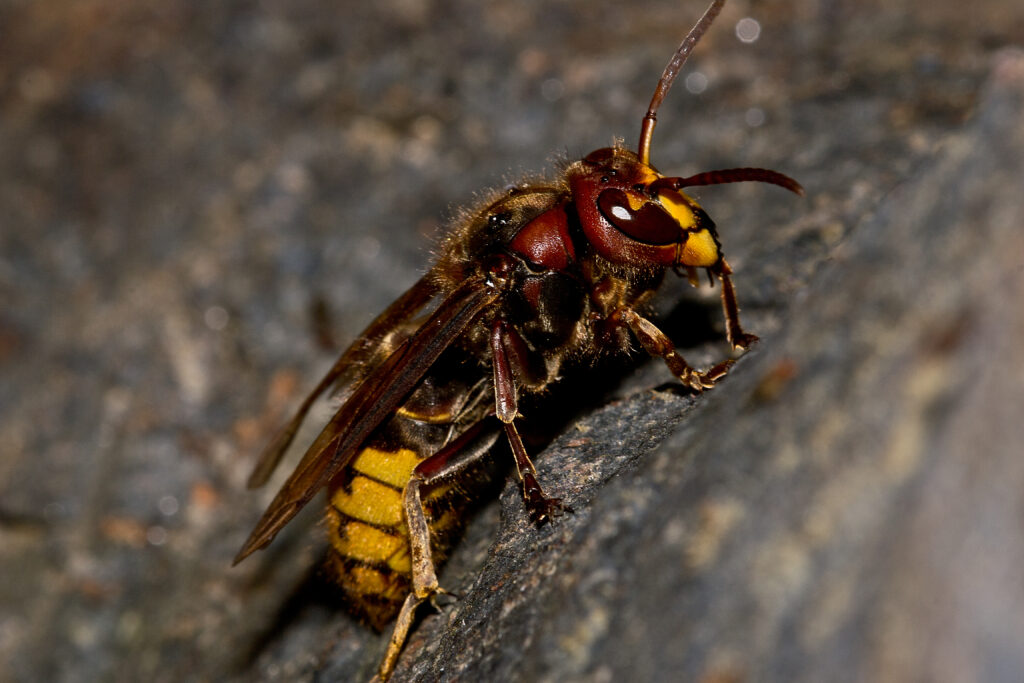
(719, 371)
(547, 510)
(745, 341)
(699, 381)
(539, 507)
(441, 593)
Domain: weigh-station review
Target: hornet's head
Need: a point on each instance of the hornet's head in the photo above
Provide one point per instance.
(632, 215)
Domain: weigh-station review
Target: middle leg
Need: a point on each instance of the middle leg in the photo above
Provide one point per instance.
(540, 507)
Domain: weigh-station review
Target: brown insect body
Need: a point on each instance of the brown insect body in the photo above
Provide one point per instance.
(547, 274)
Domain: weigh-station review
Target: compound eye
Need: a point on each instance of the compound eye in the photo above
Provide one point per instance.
(600, 156)
(650, 223)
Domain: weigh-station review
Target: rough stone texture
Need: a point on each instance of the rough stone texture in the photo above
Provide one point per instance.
(185, 184)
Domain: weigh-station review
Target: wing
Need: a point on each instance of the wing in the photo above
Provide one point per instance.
(381, 391)
(350, 367)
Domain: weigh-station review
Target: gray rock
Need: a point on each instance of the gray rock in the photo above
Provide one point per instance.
(183, 183)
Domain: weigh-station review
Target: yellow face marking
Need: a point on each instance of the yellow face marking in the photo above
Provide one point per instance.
(636, 200)
(678, 208)
(370, 501)
(393, 467)
(648, 175)
(700, 250)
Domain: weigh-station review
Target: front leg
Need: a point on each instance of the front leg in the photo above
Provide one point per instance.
(506, 400)
(733, 332)
(657, 343)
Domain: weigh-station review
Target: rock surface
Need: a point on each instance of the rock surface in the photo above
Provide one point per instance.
(189, 188)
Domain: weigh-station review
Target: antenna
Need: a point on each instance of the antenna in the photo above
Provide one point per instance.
(669, 75)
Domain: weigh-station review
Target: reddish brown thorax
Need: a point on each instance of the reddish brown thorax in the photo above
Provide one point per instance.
(545, 241)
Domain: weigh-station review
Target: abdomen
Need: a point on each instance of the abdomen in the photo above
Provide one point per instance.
(369, 542)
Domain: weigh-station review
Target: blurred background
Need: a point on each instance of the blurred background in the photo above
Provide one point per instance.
(202, 203)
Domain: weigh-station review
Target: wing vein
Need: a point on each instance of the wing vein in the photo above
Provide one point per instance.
(376, 397)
